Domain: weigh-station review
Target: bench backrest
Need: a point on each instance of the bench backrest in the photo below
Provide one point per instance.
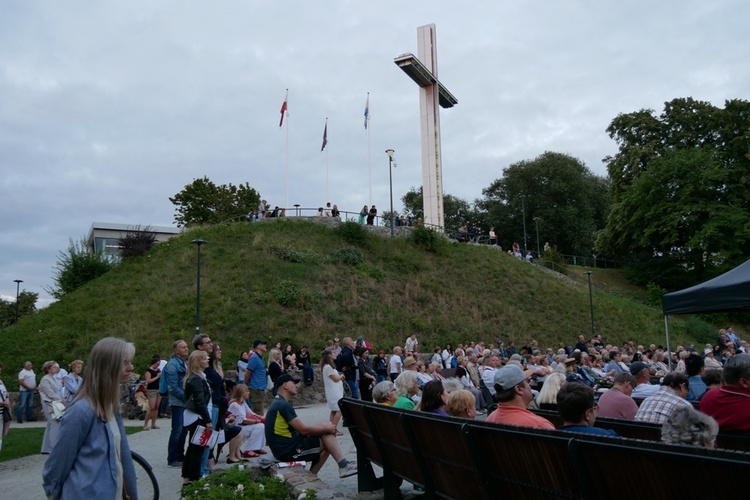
(669, 471)
(522, 462)
(438, 444)
(393, 442)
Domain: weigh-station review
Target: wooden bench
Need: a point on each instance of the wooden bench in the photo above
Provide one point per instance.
(739, 441)
(458, 458)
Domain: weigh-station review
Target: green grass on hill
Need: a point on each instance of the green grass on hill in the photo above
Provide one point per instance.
(300, 282)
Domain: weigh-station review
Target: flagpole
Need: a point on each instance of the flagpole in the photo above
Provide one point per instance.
(369, 146)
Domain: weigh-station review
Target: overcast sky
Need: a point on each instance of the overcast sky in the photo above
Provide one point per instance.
(108, 108)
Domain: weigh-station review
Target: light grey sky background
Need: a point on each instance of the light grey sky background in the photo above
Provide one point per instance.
(108, 108)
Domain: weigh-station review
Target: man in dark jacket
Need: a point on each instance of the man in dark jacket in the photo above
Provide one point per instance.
(347, 364)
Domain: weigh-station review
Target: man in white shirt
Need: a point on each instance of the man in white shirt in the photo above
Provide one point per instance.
(394, 364)
(411, 345)
(27, 386)
(642, 374)
(488, 373)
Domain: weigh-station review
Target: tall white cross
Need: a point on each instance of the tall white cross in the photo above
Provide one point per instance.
(424, 72)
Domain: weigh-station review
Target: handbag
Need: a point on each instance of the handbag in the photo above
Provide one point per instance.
(6, 415)
(269, 384)
(205, 437)
(57, 409)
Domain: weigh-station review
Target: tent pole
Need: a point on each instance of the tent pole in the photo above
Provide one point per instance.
(669, 351)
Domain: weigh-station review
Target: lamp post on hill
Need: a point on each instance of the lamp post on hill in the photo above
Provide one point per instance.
(391, 164)
(198, 288)
(538, 252)
(18, 289)
(591, 305)
(523, 211)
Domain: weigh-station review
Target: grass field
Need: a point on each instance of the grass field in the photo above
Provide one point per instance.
(24, 442)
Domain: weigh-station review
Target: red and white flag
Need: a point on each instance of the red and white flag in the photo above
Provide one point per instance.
(284, 108)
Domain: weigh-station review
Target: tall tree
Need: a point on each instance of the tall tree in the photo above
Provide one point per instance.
(457, 211)
(568, 200)
(679, 187)
(203, 202)
(77, 266)
(26, 307)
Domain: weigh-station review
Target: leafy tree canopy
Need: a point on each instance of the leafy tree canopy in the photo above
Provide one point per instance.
(567, 200)
(457, 211)
(203, 202)
(679, 187)
(26, 307)
(77, 266)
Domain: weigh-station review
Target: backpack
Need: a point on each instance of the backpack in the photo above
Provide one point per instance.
(163, 387)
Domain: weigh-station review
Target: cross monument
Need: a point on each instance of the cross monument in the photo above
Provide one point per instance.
(432, 93)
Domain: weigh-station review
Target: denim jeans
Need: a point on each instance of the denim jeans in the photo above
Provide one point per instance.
(176, 447)
(26, 400)
(354, 387)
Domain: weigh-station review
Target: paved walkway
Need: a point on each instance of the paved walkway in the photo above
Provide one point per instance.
(21, 478)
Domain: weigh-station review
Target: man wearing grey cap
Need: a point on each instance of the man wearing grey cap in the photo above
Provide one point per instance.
(513, 394)
(642, 374)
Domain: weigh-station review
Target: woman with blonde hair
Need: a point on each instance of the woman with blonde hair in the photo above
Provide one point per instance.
(92, 458)
(49, 391)
(73, 380)
(253, 430)
(275, 366)
(197, 411)
(407, 386)
(461, 403)
(547, 398)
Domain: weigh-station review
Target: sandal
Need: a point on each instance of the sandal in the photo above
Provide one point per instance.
(250, 454)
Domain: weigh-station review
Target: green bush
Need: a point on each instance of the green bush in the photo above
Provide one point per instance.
(236, 482)
(350, 256)
(654, 293)
(430, 240)
(292, 294)
(354, 234)
(77, 266)
(371, 271)
(291, 254)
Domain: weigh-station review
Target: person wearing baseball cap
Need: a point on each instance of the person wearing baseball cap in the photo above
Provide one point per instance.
(255, 376)
(513, 394)
(642, 374)
(292, 440)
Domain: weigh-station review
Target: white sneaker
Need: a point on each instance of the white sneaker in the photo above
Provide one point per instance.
(349, 470)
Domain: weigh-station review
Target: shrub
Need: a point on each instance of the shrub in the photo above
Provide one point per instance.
(136, 242)
(236, 482)
(371, 271)
(429, 239)
(291, 254)
(291, 294)
(354, 234)
(76, 267)
(350, 256)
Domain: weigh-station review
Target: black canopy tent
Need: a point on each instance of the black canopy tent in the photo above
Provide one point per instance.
(727, 292)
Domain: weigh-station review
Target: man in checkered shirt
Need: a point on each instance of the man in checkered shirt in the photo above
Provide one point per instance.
(671, 395)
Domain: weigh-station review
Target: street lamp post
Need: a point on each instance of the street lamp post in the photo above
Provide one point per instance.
(18, 289)
(391, 164)
(591, 305)
(198, 288)
(538, 252)
(523, 210)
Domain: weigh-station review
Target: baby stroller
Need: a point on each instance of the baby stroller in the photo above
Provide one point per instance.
(137, 398)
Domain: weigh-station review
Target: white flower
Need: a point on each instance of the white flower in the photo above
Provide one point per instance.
(261, 487)
(240, 487)
(241, 467)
